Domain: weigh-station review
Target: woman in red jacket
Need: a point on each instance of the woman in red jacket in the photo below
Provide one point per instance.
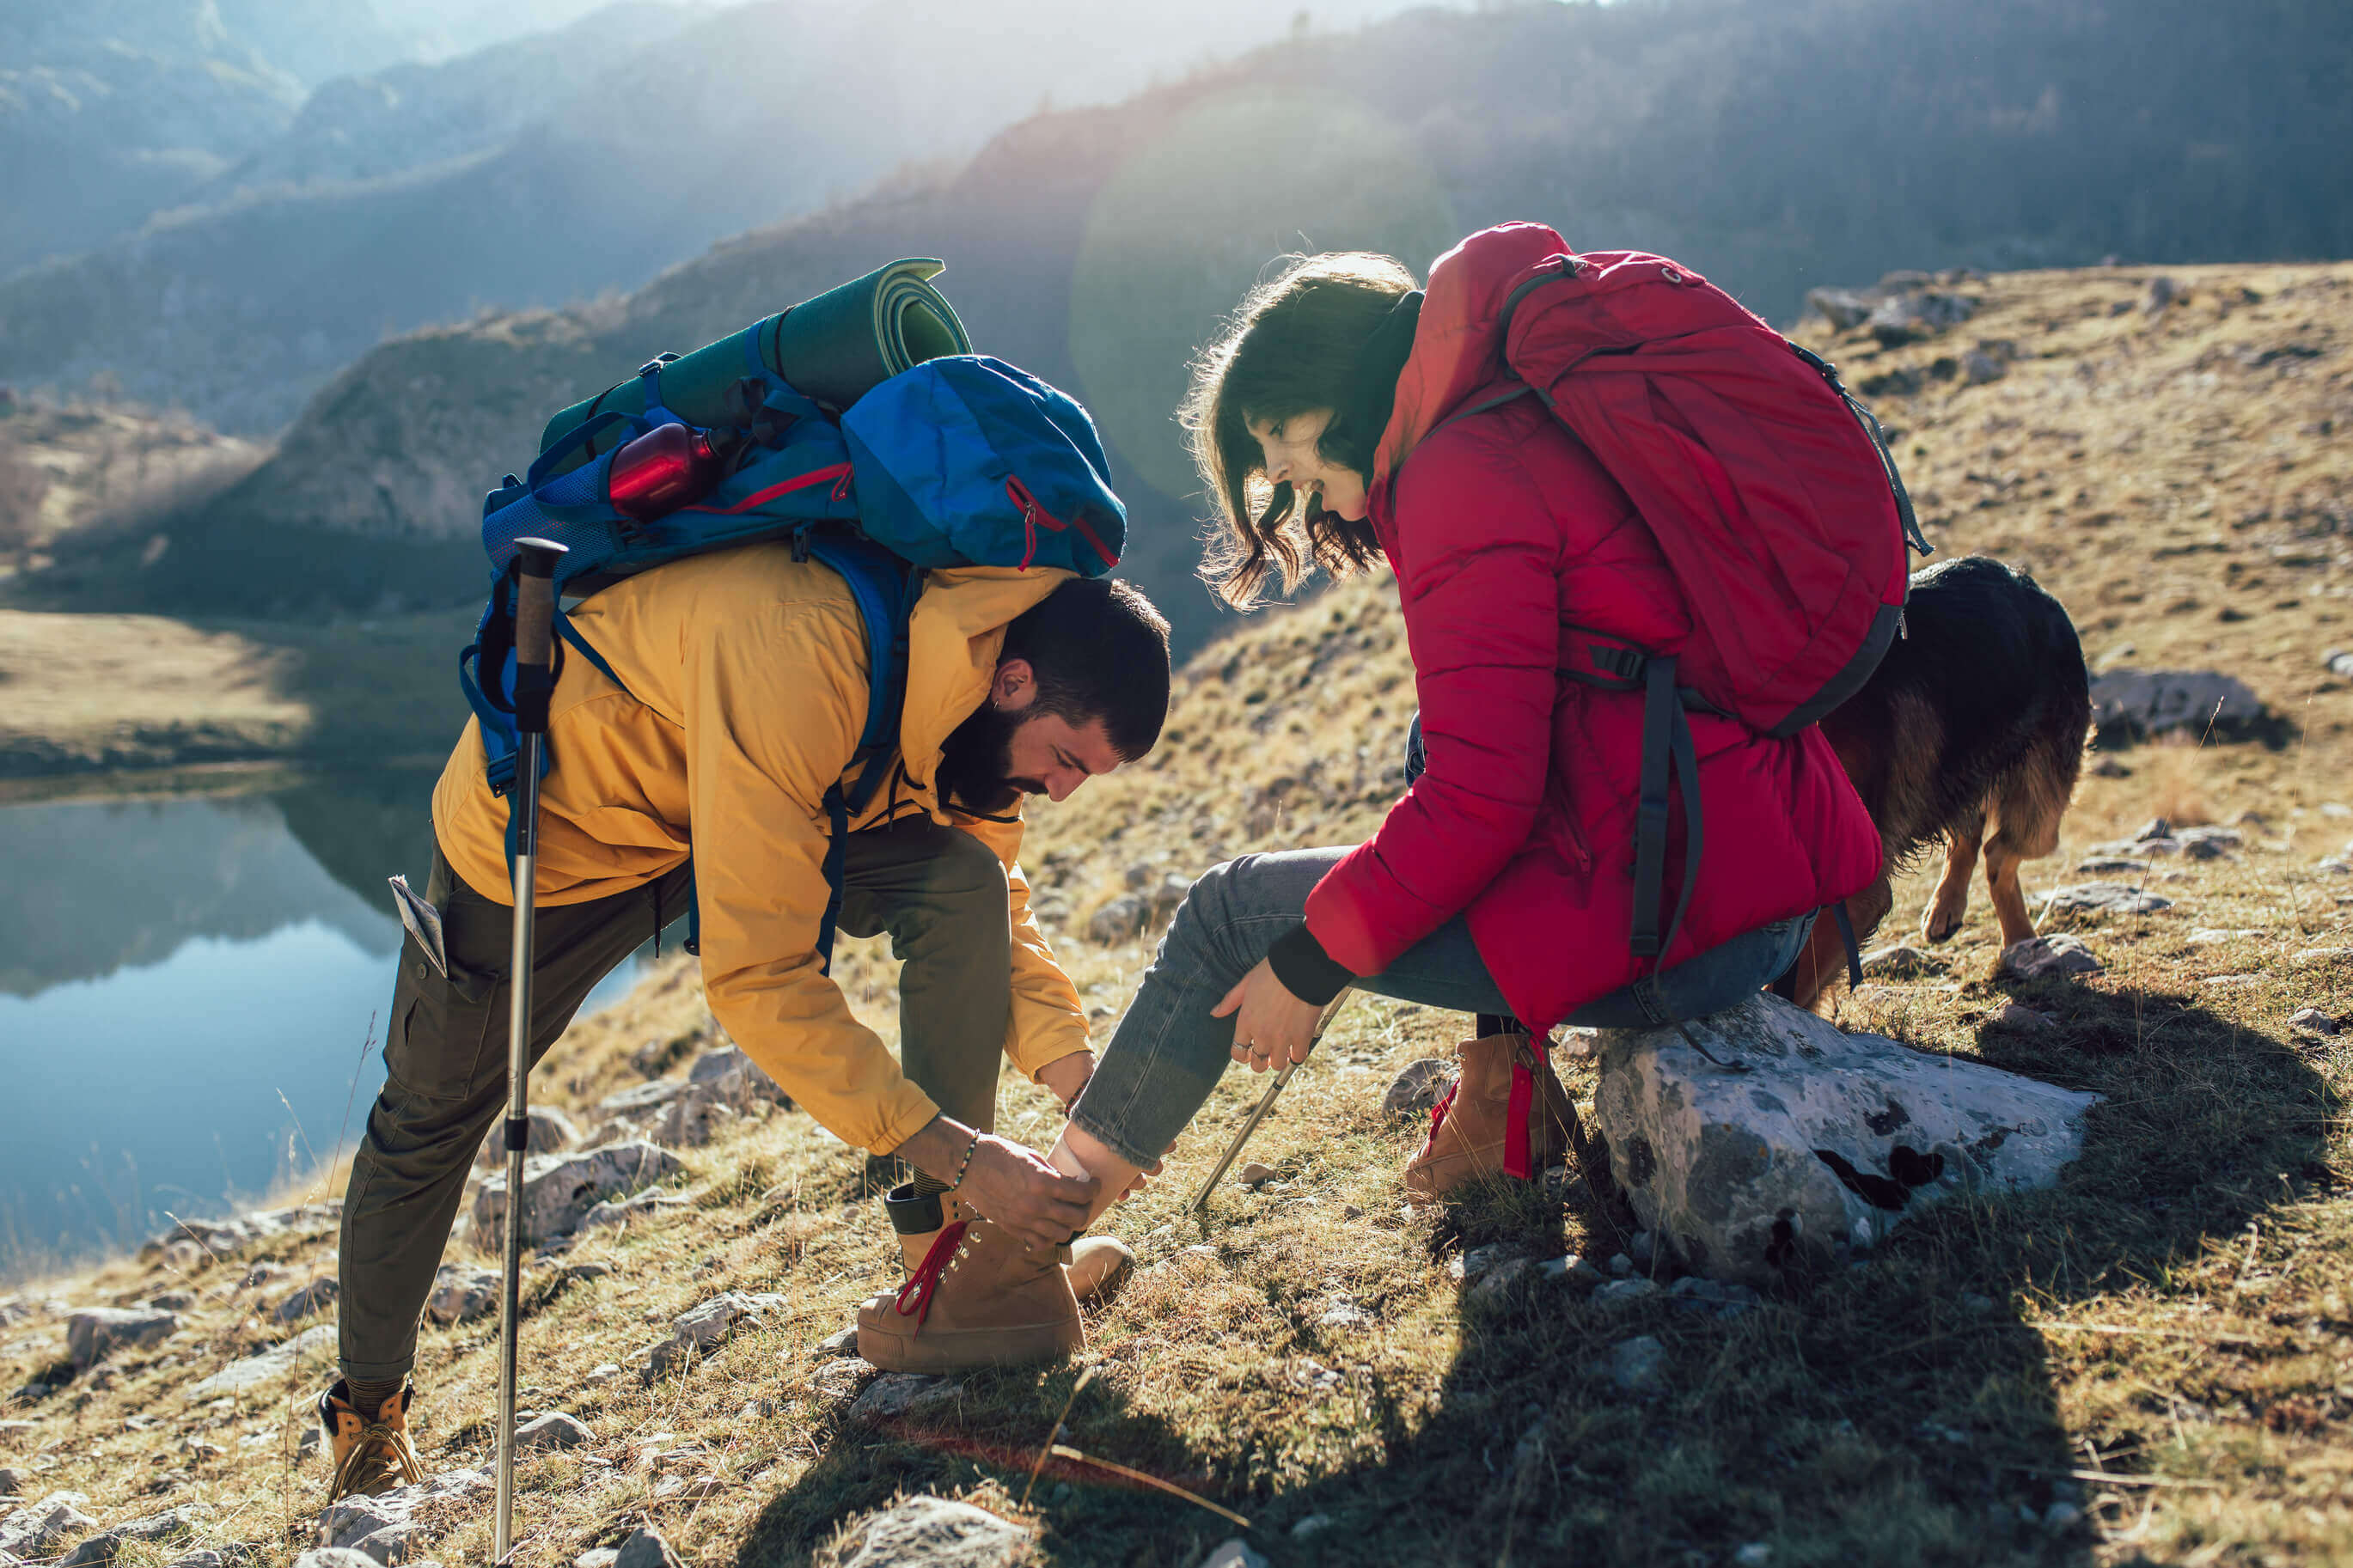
(1348, 419)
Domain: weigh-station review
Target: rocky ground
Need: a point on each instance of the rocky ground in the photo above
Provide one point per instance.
(2150, 1361)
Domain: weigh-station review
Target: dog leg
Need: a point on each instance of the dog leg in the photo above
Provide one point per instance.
(1951, 903)
(2027, 808)
(2001, 864)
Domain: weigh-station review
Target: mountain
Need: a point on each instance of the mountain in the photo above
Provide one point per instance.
(554, 169)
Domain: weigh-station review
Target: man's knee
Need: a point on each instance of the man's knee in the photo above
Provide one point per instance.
(964, 870)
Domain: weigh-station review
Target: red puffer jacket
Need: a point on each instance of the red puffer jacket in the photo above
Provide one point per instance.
(1503, 532)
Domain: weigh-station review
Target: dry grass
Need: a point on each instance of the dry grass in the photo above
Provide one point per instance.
(2176, 1316)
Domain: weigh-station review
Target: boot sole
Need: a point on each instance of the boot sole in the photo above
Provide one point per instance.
(938, 1351)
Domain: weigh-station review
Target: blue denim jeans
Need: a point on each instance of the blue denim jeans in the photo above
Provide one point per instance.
(1167, 1053)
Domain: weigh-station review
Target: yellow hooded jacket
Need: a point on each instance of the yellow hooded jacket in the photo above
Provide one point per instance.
(747, 679)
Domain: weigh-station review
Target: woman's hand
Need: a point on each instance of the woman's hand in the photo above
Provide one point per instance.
(1272, 1026)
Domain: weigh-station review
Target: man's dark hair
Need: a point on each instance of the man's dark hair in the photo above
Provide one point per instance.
(1098, 650)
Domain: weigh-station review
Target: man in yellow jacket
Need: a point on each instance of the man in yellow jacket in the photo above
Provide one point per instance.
(741, 695)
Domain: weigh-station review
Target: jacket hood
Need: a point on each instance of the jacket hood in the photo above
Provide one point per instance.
(1457, 349)
(953, 638)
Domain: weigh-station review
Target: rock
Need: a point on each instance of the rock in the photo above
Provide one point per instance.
(1121, 919)
(704, 1328)
(596, 1557)
(2209, 843)
(214, 1238)
(642, 1100)
(1755, 1554)
(558, 1190)
(2334, 957)
(840, 1342)
(1805, 1130)
(2042, 957)
(584, 1273)
(316, 1297)
(1313, 1525)
(11, 1482)
(462, 1293)
(841, 1379)
(691, 1120)
(1624, 1292)
(926, 1532)
(1642, 1250)
(1170, 893)
(1900, 962)
(1979, 367)
(240, 1555)
(2018, 1015)
(2109, 768)
(621, 1211)
(1497, 1284)
(2105, 898)
(2207, 936)
(2304, 1021)
(2160, 294)
(1621, 1266)
(734, 1078)
(896, 1394)
(391, 1527)
(95, 1332)
(646, 1549)
(163, 1301)
(1637, 1366)
(269, 1365)
(1139, 875)
(1844, 308)
(1343, 1314)
(38, 1530)
(1417, 1089)
(1481, 1261)
(550, 1130)
(1232, 1552)
(1254, 1175)
(1573, 1271)
(552, 1432)
(2130, 705)
(335, 1557)
(103, 1548)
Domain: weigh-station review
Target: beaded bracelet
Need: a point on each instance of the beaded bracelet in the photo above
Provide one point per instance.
(965, 1163)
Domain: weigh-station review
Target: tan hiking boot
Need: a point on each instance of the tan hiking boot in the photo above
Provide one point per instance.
(371, 1456)
(1097, 1263)
(1472, 1131)
(977, 1299)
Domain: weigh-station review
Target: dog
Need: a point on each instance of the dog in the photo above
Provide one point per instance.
(1975, 719)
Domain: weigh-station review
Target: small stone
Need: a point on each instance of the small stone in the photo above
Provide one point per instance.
(1417, 1089)
(1314, 1525)
(2334, 957)
(2207, 936)
(167, 1301)
(1621, 1266)
(2041, 957)
(2018, 1015)
(2061, 1516)
(1481, 1261)
(1572, 1270)
(1123, 919)
(602, 1372)
(1255, 1175)
(462, 1293)
(596, 1557)
(38, 1530)
(549, 1131)
(95, 1333)
(1755, 1554)
(1621, 1292)
(1497, 1284)
(1642, 1250)
(897, 1395)
(840, 1342)
(1350, 1211)
(552, 1431)
(1343, 1315)
(335, 1557)
(1232, 1552)
(2110, 768)
(1637, 1366)
(1900, 962)
(269, 1366)
(2103, 897)
(11, 1482)
(316, 1297)
(934, 1529)
(2312, 1021)
(646, 1549)
(842, 1378)
(560, 1189)
(102, 1550)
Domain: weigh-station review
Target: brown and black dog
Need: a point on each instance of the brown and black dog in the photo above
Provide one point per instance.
(1975, 719)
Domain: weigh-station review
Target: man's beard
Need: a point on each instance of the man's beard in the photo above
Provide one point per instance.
(977, 762)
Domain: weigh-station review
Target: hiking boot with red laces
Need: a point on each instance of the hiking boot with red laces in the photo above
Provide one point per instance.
(1096, 1262)
(977, 1299)
(1506, 1114)
(372, 1453)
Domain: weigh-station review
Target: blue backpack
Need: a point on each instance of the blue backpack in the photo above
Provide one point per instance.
(960, 461)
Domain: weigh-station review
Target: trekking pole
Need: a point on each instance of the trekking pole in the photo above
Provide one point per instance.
(1265, 1103)
(535, 645)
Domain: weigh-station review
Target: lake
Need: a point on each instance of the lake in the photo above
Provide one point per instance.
(192, 993)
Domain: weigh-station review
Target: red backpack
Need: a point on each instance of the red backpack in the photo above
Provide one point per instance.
(1772, 495)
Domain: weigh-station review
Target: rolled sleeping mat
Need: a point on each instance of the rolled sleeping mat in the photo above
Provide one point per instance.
(833, 349)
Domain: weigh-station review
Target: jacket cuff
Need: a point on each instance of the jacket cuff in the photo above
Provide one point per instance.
(1306, 971)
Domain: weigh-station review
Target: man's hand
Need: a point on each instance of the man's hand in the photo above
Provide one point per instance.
(1004, 1182)
(1270, 1026)
(1066, 1075)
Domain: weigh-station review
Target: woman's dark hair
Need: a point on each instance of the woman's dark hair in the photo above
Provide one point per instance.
(1298, 343)
(1098, 650)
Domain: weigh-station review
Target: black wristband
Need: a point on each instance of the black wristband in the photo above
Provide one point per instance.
(1306, 971)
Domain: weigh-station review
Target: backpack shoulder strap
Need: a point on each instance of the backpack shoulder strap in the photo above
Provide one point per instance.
(884, 588)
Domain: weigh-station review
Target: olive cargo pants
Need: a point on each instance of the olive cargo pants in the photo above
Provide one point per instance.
(939, 892)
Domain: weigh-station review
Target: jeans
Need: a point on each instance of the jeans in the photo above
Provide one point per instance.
(1168, 1052)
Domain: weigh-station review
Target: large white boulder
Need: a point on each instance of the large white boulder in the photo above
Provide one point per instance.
(1763, 1135)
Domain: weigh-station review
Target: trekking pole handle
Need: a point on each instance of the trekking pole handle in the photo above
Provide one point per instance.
(534, 638)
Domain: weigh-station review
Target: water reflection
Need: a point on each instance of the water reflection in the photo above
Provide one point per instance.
(185, 989)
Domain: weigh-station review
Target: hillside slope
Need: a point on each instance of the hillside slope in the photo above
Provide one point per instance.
(2151, 1363)
(1099, 247)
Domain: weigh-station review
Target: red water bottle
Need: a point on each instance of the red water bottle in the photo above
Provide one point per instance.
(669, 467)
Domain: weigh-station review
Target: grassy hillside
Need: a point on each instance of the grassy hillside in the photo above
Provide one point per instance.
(2151, 1363)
